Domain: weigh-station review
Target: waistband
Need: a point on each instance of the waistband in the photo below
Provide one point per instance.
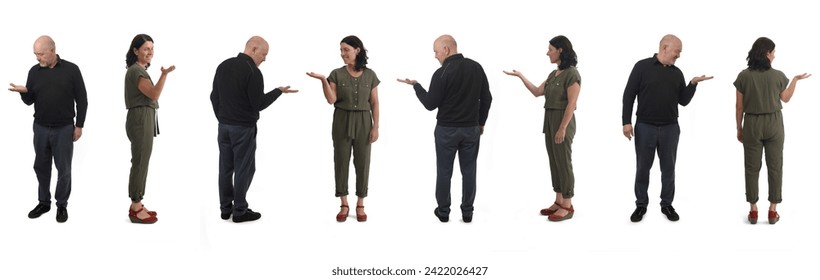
(761, 114)
(52, 125)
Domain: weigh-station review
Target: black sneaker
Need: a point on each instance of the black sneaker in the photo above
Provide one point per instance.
(226, 213)
(39, 210)
(247, 217)
(637, 216)
(62, 214)
(443, 219)
(670, 213)
(467, 218)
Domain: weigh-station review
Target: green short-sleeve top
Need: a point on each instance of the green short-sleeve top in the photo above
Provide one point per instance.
(555, 88)
(761, 90)
(133, 96)
(352, 93)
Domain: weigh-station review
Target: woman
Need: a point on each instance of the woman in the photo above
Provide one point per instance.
(760, 88)
(141, 95)
(353, 90)
(560, 91)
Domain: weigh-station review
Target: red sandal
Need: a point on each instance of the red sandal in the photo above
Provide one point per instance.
(363, 217)
(753, 217)
(547, 211)
(152, 213)
(343, 217)
(773, 217)
(556, 218)
(134, 219)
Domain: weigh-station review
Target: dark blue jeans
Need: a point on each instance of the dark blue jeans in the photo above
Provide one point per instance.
(57, 143)
(237, 164)
(648, 139)
(449, 141)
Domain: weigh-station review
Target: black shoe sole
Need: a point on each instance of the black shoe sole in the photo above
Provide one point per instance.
(440, 218)
(637, 218)
(243, 218)
(64, 217)
(37, 215)
(668, 216)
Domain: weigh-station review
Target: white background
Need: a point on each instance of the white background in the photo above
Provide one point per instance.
(298, 238)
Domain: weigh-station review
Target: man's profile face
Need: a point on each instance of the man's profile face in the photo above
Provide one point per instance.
(46, 57)
(671, 52)
(440, 51)
(259, 55)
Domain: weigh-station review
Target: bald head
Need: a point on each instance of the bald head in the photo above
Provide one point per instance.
(444, 47)
(46, 51)
(670, 40)
(669, 49)
(44, 42)
(257, 49)
(255, 42)
(447, 41)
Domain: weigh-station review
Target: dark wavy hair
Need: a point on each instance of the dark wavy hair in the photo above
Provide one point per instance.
(568, 57)
(130, 56)
(758, 58)
(361, 58)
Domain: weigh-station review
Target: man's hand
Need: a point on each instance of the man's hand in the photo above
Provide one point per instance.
(701, 78)
(628, 131)
(286, 89)
(407, 81)
(78, 132)
(17, 88)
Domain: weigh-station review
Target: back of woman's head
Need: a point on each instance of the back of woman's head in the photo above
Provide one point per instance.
(758, 58)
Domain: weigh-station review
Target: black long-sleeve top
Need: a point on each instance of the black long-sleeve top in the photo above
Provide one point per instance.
(238, 92)
(460, 91)
(54, 92)
(659, 90)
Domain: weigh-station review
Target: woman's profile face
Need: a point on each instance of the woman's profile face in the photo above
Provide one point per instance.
(553, 53)
(145, 53)
(348, 53)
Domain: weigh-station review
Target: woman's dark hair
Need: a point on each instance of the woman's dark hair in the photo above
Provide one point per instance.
(361, 58)
(758, 58)
(130, 56)
(568, 57)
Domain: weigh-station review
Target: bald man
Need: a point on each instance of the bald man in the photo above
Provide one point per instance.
(659, 87)
(237, 98)
(55, 86)
(460, 91)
